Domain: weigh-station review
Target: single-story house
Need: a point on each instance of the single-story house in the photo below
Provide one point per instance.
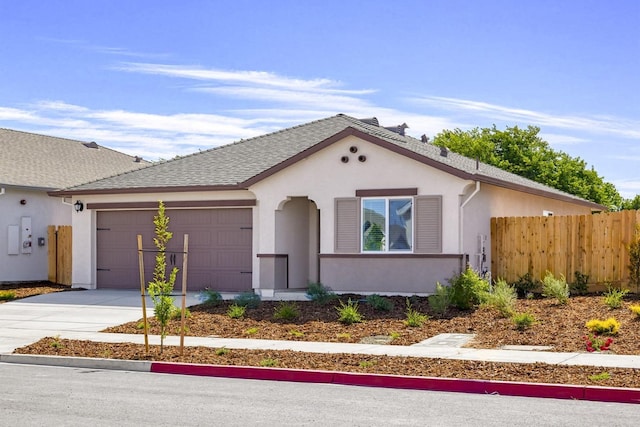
(341, 201)
(31, 165)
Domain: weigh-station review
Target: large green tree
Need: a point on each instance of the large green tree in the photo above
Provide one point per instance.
(523, 152)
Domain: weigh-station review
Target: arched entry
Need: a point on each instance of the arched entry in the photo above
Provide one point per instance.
(298, 237)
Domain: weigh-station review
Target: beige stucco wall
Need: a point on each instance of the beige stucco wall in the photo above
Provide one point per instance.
(322, 177)
(43, 211)
(492, 201)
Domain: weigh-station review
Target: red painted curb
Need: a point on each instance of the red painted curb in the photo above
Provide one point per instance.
(505, 388)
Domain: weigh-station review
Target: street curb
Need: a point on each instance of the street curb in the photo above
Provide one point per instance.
(78, 362)
(504, 388)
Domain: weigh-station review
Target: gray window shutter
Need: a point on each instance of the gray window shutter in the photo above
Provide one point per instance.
(347, 225)
(428, 223)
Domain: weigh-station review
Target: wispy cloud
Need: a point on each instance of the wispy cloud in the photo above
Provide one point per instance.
(593, 124)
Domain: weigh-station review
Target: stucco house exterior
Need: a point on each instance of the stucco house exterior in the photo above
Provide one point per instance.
(347, 202)
(31, 165)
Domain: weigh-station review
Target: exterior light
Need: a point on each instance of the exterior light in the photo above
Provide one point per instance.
(79, 206)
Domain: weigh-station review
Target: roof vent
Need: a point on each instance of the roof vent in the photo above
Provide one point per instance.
(398, 129)
(443, 151)
(424, 138)
(137, 159)
(371, 121)
(91, 144)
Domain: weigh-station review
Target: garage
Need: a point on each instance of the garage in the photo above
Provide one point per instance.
(220, 251)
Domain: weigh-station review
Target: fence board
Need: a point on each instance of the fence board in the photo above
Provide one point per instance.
(596, 245)
(59, 254)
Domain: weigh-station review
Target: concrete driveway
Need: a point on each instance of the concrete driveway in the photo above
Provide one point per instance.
(27, 320)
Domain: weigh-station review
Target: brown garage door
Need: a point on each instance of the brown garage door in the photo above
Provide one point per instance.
(219, 248)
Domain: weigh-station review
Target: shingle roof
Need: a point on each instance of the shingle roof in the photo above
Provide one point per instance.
(45, 162)
(245, 161)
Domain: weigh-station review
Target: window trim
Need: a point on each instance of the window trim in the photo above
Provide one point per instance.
(386, 250)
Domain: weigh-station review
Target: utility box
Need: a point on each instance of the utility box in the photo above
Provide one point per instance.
(25, 228)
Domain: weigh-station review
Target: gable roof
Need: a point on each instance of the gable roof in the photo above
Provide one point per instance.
(30, 160)
(243, 163)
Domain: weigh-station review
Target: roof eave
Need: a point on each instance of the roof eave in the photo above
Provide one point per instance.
(139, 190)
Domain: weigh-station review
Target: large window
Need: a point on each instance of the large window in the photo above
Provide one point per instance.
(387, 224)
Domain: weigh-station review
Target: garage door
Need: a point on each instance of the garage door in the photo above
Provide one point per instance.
(219, 248)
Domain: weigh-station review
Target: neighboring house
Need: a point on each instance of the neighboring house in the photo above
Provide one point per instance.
(30, 166)
(346, 202)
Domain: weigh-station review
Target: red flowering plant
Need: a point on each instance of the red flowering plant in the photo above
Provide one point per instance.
(597, 343)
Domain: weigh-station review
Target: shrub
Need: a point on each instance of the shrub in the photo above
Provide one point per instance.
(268, 362)
(441, 300)
(580, 284)
(613, 297)
(176, 313)
(296, 333)
(467, 288)
(555, 288)
(348, 313)
(209, 297)
(602, 376)
(523, 321)
(379, 303)
(7, 295)
(634, 259)
(603, 327)
(502, 298)
(251, 331)
(248, 300)
(319, 293)
(635, 309)
(286, 311)
(527, 285)
(222, 351)
(415, 319)
(236, 311)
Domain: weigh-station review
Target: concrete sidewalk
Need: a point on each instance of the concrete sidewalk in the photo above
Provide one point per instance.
(82, 314)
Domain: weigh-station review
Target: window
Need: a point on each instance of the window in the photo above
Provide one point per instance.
(387, 224)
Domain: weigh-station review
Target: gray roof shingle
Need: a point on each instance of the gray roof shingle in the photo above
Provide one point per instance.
(239, 162)
(46, 162)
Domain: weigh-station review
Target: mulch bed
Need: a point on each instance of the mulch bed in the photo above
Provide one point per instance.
(559, 326)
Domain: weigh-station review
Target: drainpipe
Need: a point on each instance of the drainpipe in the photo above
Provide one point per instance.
(1, 191)
(461, 216)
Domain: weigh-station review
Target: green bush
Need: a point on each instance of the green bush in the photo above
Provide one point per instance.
(580, 284)
(380, 303)
(319, 293)
(236, 311)
(613, 297)
(467, 289)
(441, 300)
(555, 288)
(176, 313)
(348, 313)
(286, 311)
(523, 321)
(209, 297)
(415, 319)
(609, 326)
(248, 299)
(527, 285)
(502, 298)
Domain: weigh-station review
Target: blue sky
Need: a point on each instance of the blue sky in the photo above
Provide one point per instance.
(163, 78)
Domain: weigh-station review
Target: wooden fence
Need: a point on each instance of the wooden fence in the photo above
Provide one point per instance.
(596, 245)
(59, 254)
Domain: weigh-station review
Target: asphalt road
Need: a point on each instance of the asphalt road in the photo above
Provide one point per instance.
(43, 395)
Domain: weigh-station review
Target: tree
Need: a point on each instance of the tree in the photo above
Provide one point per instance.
(524, 153)
(161, 288)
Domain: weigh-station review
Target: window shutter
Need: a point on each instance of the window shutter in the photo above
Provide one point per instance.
(347, 225)
(428, 223)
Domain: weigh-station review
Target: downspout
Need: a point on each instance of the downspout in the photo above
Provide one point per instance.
(461, 217)
(1, 191)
